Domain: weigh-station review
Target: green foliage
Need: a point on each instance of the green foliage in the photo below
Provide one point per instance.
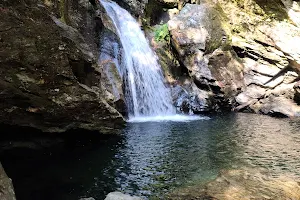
(162, 33)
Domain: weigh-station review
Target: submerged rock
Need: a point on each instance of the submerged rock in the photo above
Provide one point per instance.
(246, 184)
(121, 196)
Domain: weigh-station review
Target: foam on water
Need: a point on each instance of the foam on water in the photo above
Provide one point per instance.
(164, 118)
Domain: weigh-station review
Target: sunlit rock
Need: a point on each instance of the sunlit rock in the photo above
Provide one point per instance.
(245, 183)
(121, 196)
(199, 35)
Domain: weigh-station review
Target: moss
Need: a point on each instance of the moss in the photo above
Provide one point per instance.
(63, 9)
(219, 30)
(273, 9)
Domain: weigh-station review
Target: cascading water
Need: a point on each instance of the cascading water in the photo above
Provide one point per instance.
(146, 94)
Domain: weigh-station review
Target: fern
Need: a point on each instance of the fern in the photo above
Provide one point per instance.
(162, 33)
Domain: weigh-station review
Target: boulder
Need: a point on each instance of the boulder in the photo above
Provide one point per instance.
(121, 196)
(277, 106)
(199, 35)
(190, 99)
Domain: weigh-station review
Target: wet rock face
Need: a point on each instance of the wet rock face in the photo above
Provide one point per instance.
(271, 64)
(48, 78)
(110, 61)
(200, 41)
(136, 7)
(7, 189)
(241, 53)
(190, 99)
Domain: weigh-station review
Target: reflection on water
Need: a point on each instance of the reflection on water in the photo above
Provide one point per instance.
(166, 154)
(271, 143)
(153, 158)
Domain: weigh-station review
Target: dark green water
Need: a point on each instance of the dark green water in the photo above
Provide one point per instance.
(152, 158)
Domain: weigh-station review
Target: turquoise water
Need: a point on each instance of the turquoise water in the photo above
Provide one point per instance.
(152, 158)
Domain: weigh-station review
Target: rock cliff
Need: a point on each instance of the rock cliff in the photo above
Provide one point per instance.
(237, 55)
(49, 76)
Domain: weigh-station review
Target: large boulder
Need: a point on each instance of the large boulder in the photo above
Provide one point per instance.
(48, 76)
(188, 98)
(201, 40)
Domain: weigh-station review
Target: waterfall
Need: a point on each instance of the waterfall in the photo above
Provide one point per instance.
(146, 93)
(147, 97)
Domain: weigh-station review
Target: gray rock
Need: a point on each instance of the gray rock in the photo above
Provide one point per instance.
(191, 99)
(251, 92)
(121, 196)
(7, 189)
(198, 37)
(136, 7)
(277, 106)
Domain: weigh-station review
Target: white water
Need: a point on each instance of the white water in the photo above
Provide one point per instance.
(172, 118)
(147, 97)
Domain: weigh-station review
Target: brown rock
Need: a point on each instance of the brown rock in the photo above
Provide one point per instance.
(246, 184)
(47, 76)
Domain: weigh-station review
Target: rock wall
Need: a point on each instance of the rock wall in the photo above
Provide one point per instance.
(238, 55)
(49, 77)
